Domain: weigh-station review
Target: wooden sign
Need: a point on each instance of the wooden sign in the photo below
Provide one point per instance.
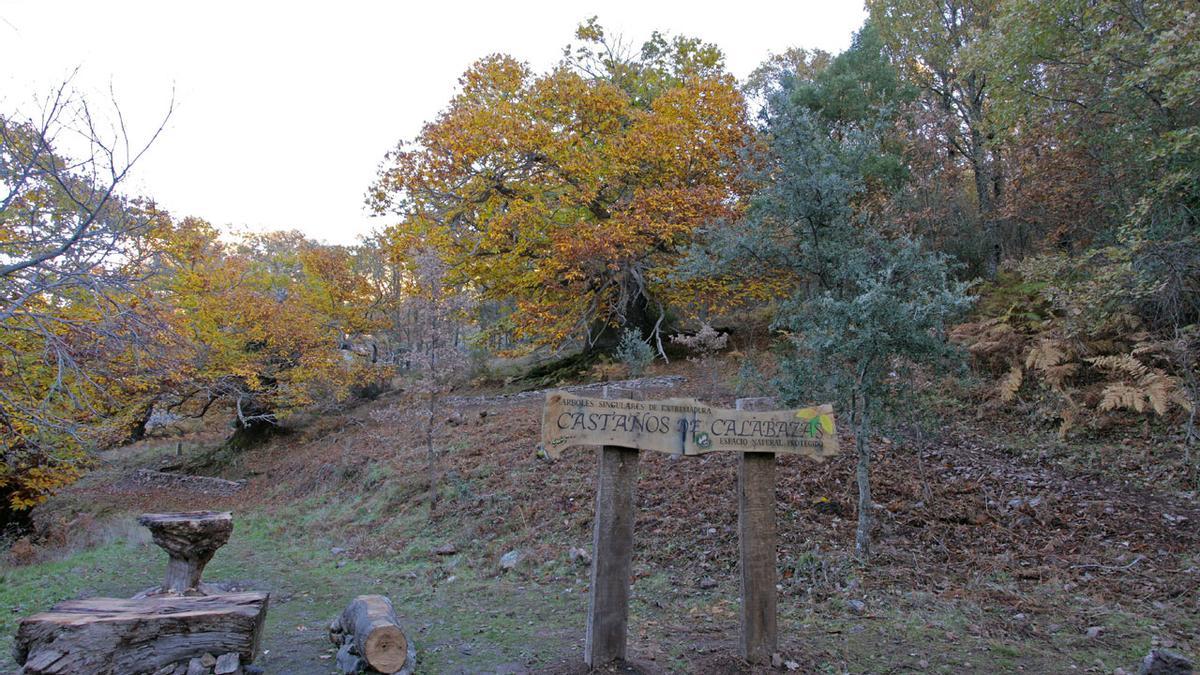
(684, 426)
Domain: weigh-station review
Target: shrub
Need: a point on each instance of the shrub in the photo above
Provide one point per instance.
(634, 352)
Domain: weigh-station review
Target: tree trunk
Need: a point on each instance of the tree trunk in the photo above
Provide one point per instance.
(431, 454)
(137, 429)
(862, 537)
(637, 313)
(108, 636)
(368, 631)
(251, 434)
(255, 422)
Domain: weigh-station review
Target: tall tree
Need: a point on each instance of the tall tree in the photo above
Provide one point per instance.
(1114, 86)
(74, 319)
(565, 195)
(932, 42)
(866, 299)
(265, 320)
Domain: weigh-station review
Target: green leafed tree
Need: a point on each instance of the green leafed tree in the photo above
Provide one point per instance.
(867, 300)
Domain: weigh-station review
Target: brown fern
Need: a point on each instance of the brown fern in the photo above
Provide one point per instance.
(1011, 383)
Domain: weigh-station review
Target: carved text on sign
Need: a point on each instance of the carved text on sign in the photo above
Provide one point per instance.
(684, 426)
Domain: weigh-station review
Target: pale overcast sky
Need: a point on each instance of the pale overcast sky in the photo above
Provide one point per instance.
(285, 109)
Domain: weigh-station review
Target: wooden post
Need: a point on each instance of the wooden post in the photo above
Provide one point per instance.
(612, 554)
(758, 636)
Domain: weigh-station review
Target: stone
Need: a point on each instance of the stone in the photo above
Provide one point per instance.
(228, 664)
(1094, 631)
(707, 583)
(509, 560)
(208, 660)
(857, 606)
(195, 667)
(579, 556)
(347, 660)
(1165, 662)
(446, 549)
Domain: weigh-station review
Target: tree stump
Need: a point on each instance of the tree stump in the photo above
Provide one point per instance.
(190, 540)
(132, 637)
(370, 639)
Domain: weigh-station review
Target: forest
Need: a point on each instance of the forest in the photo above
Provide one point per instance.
(985, 210)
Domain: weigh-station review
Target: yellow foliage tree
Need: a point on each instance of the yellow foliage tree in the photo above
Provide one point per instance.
(566, 195)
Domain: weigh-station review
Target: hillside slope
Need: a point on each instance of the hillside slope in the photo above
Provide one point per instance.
(986, 561)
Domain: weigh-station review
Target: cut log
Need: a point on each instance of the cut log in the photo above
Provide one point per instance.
(190, 540)
(369, 629)
(108, 636)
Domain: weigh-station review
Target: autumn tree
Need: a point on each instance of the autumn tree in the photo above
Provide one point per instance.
(932, 42)
(76, 328)
(564, 196)
(265, 320)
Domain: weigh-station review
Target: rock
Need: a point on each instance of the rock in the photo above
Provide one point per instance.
(777, 660)
(857, 606)
(707, 583)
(509, 560)
(1094, 631)
(347, 660)
(579, 556)
(228, 664)
(791, 665)
(1165, 662)
(446, 549)
(195, 667)
(208, 660)
(337, 550)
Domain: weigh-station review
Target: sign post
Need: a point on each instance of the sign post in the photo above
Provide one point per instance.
(758, 637)
(612, 532)
(608, 605)
(622, 427)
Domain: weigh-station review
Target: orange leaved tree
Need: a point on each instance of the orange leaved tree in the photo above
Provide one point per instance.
(565, 195)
